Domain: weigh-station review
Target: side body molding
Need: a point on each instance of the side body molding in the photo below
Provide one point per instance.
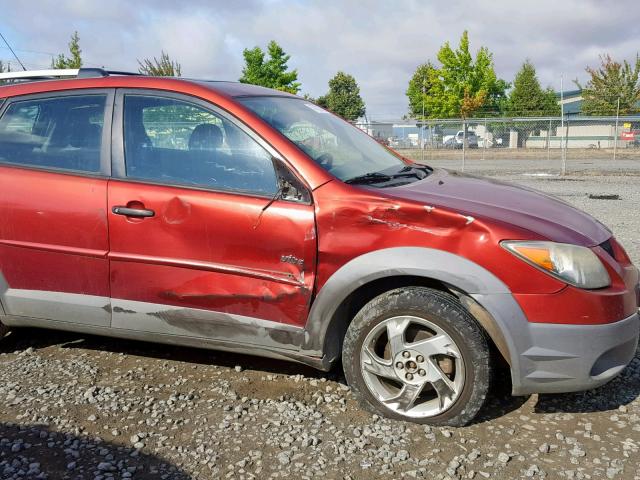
(322, 336)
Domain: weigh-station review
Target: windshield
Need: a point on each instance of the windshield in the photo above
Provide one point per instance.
(340, 148)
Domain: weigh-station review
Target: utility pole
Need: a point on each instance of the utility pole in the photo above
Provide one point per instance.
(549, 141)
(464, 143)
(562, 139)
(432, 145)
(422, 142)
(486, 138)
(615, 133)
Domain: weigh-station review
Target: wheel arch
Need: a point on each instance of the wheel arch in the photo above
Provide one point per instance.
(371, 274)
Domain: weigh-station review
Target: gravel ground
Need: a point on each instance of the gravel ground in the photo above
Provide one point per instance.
(82, 407)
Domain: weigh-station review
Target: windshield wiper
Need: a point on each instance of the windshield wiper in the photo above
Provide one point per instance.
(371, 177)
(419, 172)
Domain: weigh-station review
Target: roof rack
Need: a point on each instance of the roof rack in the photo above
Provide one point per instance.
(52, 74)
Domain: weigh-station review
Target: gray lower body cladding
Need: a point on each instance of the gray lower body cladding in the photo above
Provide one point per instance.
(559, 358)
(235, 346)
(568, 358)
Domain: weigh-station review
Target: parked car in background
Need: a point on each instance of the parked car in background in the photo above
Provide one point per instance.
(456, 141)
(234, 217)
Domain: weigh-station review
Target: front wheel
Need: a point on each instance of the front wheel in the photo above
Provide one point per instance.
(416, 354)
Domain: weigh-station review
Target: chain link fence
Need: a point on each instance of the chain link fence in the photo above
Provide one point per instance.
(545, 144)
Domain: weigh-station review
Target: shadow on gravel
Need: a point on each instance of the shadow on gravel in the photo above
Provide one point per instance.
(21, 339)
(612, 396)
(603, 399)
(36, 452)
(499, 402)
(622, 390)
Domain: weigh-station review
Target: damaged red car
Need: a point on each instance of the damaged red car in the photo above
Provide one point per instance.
(234, 217)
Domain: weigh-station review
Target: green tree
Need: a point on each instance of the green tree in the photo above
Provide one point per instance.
(425, 90)
(75, 60)
(461, 87)
(608, 83)
(162, 67)
(343, 97)
(271, 73)
(528, 98)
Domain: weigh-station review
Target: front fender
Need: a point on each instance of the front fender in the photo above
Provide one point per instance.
(460, 273)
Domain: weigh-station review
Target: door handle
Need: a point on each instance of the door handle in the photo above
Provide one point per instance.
(133, 212)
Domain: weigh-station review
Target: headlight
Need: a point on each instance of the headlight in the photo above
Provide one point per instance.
(572, 264)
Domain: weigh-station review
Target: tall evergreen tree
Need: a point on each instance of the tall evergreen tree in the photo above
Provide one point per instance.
(528, 98)
(271, 73)
(75, 60)
(343, 97)
(162, 67)
(610, 82)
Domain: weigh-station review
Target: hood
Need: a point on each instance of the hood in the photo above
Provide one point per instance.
(520, 206)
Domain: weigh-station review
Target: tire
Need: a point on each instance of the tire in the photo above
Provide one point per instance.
(436, 369)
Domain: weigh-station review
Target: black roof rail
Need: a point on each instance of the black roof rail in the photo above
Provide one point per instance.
(91, 73)
(101, 72)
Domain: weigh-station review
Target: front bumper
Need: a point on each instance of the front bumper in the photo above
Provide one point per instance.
(559, 358)
(569, 358)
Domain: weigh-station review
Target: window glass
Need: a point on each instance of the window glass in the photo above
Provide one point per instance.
(338, 147)
(176, 142)
(64, 132)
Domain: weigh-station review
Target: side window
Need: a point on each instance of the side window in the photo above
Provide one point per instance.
(177, 142)
(64, 132)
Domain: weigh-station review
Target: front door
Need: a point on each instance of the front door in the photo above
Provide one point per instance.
(54, 163)
(198, 246)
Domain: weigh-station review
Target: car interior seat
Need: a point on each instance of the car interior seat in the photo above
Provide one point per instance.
(205, 137)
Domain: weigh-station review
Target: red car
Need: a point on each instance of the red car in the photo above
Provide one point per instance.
(234, 217)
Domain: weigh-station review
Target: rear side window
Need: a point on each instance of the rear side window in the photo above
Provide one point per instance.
(62, 133)
(175, 142)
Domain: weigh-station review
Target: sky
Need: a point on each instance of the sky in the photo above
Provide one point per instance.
(379, 42)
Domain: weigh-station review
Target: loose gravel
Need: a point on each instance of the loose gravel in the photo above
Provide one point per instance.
(83, 407)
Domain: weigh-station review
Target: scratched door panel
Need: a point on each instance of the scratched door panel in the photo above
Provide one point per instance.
(210, 251)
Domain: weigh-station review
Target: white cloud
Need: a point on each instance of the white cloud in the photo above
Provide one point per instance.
(379, 42)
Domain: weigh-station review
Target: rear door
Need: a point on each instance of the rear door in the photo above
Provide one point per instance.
(54, 165)
(199, 247)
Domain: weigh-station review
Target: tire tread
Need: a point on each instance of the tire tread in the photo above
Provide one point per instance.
(437, 303)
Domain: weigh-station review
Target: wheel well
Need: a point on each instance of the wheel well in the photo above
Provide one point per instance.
(357, 299)
(351, 305)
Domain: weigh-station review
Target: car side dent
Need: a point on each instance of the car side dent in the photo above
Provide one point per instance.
(502, 321)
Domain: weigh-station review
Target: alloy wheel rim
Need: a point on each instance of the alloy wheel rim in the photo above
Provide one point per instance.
(412, 366)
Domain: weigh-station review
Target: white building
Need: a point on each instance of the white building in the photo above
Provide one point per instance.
(378, 130)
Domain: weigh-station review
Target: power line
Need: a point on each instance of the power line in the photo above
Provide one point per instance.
(14, 53)
(50, 54)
